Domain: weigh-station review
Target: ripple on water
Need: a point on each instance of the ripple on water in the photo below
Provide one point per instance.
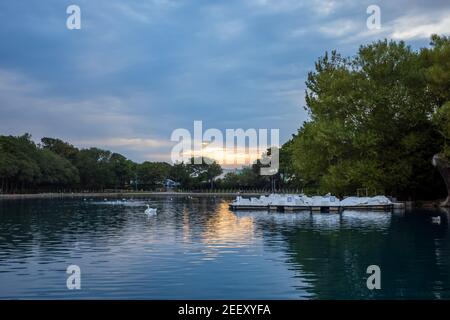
(201, 249)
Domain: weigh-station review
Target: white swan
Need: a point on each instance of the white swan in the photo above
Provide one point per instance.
(150, 211)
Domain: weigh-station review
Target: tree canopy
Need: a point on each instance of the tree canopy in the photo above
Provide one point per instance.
(55, 165)
(376, 120)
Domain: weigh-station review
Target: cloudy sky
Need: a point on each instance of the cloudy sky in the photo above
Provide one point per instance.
(137, 70)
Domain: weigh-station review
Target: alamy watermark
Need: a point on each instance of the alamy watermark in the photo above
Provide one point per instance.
(373, 22)
(240, 147)
(73, 21)
(73, 281)
(374, 280)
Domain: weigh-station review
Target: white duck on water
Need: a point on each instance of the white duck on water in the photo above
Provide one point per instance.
(150, 211)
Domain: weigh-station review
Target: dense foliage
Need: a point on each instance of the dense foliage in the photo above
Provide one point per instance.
(376, 120)
(55, 165)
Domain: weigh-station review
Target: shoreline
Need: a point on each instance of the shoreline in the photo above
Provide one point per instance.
(121, 195)
(430, 204)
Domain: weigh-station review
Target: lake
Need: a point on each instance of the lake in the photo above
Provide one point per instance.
(199, 249)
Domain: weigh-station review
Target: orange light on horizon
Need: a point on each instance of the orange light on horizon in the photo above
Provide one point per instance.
(225, 156)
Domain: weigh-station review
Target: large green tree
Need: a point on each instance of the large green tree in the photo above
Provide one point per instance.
(370, 124)
(19, 163)
(56, 171)
(437, 73)
(122, 170)
(94, 168)
(151, 175)
(61, 148)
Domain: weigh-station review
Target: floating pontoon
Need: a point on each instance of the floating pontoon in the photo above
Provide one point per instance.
(327, 203)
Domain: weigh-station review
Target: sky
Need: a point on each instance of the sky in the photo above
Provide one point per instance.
(138, 70)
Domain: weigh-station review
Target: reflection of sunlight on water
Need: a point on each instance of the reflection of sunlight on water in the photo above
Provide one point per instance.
(359, 219)
(224, 231)
(186, 227)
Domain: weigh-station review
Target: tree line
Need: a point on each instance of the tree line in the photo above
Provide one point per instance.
(54, 165)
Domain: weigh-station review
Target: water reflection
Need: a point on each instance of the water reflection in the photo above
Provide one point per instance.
(366, 220)
(403, 248)
(198, 248)
(224, 230)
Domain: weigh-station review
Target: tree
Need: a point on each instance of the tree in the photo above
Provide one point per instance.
(180, 173)
(19, 162)
(121, 169)
(8, 164)
(206, 171)
(248, 178)
(230, 181)
(289, 176)
(437, 73)
(95, 171)
(152, 174)
(61, 148)
(56, 171)
(370, 124)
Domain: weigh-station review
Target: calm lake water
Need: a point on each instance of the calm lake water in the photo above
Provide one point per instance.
(199, 249)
